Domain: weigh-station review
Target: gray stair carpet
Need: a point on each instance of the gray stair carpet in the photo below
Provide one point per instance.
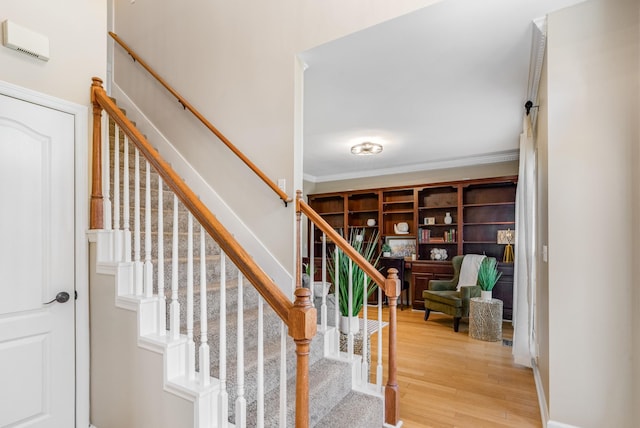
(332, 403)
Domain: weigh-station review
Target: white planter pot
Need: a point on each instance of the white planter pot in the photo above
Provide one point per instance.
(349, 325)
(485, 295)
(319, 290)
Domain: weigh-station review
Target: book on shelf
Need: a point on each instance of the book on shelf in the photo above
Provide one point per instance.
(449, 236)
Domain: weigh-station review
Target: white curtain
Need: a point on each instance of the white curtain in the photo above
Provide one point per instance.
(524, 269)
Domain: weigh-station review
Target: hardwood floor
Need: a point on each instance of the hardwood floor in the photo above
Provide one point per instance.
(447, 379)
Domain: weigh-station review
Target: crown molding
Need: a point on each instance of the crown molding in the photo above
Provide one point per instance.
(507, 156)
(538, 47)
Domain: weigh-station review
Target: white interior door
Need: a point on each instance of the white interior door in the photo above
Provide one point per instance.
(37, 345)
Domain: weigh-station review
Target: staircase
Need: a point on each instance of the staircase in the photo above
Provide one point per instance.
(257, 389)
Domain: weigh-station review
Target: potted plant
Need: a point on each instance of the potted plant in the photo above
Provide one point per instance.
(386, 250)
(488, 276)
(340, 275)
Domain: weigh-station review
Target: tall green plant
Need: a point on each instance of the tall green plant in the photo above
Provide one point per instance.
(369, 251)
(488, 274)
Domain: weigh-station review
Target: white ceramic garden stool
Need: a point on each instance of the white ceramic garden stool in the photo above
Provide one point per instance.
(485, 319)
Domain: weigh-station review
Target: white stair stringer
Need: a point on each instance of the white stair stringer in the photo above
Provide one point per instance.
(175, 380)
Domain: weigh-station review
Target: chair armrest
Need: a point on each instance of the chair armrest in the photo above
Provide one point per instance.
(441, 284)
(466, 293)
(469, 291)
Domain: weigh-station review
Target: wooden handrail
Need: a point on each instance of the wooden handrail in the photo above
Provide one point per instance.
(299, 316)
(369, 270)
(390, 287)
(185, 104)
(272, 294)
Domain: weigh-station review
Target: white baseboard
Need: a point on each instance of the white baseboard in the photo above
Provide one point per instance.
(553, 424)
(207, 194)
(542, 399)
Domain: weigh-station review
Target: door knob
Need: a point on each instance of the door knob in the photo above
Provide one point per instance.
(61, 297)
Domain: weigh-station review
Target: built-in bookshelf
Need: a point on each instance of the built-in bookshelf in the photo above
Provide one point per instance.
(478, 210)
(398, 206)
(487, 208)
(438, 220)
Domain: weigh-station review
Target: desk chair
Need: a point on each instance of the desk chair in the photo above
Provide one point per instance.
(387, 263)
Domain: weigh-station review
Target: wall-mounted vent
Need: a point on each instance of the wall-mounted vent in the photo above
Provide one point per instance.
(24, 40)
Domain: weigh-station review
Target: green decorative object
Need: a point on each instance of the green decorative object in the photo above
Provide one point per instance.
(386, 250)
(368, 250)
(488, 274)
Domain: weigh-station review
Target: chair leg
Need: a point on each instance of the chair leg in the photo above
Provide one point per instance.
(456, 324)
(426, 313)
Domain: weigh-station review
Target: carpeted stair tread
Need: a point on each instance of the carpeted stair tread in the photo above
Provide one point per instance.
(329, 382)
(250, 332)
(272, 361)
(355, 410)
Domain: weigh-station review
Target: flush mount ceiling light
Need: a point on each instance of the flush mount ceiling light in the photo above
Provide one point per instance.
(366, 148)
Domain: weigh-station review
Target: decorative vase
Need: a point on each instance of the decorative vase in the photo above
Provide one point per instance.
(448, 219)
(485, 295)
(306, 280)
(371, 222)
(349, 324)
(386, 254)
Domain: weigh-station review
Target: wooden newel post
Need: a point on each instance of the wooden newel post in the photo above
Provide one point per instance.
(391, 391)
(302, 327)
(96, 220)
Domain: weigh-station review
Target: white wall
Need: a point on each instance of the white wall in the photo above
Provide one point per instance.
(77, 42)
(593, 114)
(541, 315)
(636, 256)
(236, 63)
(126, 380)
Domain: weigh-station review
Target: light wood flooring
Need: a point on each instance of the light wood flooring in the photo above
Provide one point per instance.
(447, 379)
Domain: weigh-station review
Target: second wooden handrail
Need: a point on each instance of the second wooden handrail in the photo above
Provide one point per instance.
(351, 252)
(281, 194)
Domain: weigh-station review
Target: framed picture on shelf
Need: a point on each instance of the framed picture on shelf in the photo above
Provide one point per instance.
(402, 247)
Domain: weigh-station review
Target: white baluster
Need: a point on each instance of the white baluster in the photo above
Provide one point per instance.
(138, 266)
(162, 301)
(117, 236)
(365, 335)
(350, 309)
(191, 346)
(336, 287)
(204, 345)
(175, 305)
(148, 266)
(283, 377)
(241, 402)
(379, 367)
(312, 257)
(106, 172)
(260, 376)
(223, 396)
(126, 182)
(325, 289)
